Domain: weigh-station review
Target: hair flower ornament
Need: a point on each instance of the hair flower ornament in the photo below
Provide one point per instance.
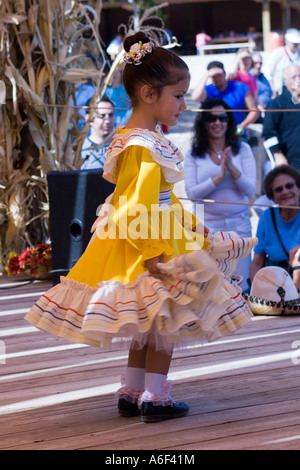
(137, 51)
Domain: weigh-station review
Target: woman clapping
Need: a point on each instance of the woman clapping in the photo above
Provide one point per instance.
(221, 168)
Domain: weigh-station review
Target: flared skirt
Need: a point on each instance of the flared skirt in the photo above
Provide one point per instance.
(193, 299)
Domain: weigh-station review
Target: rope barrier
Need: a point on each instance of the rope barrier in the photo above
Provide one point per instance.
(245, 110)
(197, 110)
(200, 111)
(250, 204)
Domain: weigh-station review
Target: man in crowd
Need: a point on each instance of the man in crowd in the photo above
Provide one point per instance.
(280, 58)
(236, 94)
(281, 130)
(95, 145)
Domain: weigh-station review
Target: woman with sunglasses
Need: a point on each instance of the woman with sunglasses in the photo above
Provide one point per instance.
(221, 168)
(278, 230)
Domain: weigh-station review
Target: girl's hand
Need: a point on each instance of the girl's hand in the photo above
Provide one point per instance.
(206, 232)
(201, 229)
(151, 264)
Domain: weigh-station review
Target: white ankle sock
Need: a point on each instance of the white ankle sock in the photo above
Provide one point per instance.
(135, 378)
(153, 382)
(157, 390)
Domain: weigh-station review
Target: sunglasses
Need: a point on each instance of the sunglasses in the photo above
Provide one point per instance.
(279, 189)
(214, 117)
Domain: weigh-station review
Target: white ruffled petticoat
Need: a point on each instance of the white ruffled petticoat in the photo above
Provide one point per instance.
(193, 299)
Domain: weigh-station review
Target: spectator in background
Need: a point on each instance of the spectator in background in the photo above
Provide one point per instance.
(281, 130)
(221, 168)
(240, 71)
(116, 92)
(235, 94)
(167, 37)
(280, 58)
(278, 230)
(264, 90)
(95, 145)
(114, 46)
(201, 40)
(83, 94)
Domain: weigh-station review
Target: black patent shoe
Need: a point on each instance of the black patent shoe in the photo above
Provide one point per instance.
(128, 409)
(152, 414)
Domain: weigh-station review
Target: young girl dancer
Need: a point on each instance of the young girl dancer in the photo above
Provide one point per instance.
(147, 274)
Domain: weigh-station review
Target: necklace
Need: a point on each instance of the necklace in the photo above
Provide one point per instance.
(218, 154)
(290, 59)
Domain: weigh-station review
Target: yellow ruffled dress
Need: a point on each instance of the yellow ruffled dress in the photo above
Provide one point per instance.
(110, 294)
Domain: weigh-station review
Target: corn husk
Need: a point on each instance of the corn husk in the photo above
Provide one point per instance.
(44, 54)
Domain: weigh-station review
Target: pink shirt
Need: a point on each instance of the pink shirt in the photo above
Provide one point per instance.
(248, 80)
(202, 39)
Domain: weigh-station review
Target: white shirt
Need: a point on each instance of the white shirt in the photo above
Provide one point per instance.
(279, 60)
(199, 174)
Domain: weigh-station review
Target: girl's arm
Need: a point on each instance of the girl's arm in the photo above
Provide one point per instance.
(151, 264)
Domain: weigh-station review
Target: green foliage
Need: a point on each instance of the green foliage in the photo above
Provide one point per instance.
(144, 5)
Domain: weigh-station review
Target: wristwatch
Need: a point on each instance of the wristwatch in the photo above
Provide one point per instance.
(292, 269)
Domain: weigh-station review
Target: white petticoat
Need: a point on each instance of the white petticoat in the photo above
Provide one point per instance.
(193, 299)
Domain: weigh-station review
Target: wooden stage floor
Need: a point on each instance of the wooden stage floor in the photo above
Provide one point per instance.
(243, 391)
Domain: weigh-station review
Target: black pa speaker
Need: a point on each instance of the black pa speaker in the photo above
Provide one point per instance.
(74, 197)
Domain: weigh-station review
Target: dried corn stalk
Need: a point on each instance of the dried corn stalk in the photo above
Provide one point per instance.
(47, 48)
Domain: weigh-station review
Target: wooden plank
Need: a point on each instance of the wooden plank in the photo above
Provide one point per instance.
(243, 390)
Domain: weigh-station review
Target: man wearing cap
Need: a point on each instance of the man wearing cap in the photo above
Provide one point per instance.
(236, 94)
(281, 57)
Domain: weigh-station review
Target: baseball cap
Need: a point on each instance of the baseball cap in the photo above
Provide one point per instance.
(293, 35)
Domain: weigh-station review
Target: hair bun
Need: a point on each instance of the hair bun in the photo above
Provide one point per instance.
(134, 38)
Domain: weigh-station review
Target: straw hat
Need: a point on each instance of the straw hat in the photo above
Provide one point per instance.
(273, 293)
(293, 36)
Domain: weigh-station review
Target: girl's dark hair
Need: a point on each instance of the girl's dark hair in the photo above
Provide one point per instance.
(200, 136)
(280, 170)
(158, 69)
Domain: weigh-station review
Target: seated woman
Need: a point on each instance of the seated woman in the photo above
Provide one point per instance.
(221, 168)
(278, 230)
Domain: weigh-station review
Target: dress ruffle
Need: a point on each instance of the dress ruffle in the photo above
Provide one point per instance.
(163, 151)
(129, 394)
(193, 299)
